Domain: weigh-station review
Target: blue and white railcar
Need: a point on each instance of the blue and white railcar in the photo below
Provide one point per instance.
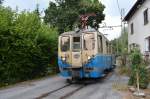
(84, 54)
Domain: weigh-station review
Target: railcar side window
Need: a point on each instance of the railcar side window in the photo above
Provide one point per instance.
(107, 47)
(65, 43)
(76, 43)
(100, 44)
(89, 42)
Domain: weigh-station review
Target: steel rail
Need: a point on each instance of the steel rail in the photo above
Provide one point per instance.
(72, 92)
(48, 93)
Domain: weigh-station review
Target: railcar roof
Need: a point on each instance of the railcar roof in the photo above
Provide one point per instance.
(78, 33)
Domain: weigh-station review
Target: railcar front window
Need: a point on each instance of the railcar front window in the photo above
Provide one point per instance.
(89, 42)
(65, 44)
(76, 44)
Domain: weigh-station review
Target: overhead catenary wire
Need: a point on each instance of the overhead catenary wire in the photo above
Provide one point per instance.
(120, 12)
(119, 7)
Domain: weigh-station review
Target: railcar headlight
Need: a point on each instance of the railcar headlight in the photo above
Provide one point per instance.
(89, 57)
(63, 58)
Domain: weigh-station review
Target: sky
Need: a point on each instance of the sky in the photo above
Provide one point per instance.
(113, 17)
(112, 14)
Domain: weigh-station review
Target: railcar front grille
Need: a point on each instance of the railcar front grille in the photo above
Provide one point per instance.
(75, 73)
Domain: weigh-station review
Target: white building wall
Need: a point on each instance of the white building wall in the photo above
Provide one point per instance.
(141, 31)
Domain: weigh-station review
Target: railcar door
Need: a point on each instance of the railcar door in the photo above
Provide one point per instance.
(76, 52)
(89, 48)
(64, 48)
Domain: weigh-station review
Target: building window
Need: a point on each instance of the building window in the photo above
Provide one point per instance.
(148, 44)
(145, 16)
(132, 28)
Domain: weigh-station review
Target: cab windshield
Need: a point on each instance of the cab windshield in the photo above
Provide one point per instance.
(89, 42)
(65, 43)
(76, 44)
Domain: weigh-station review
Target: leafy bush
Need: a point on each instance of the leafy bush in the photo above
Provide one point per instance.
(137, 66)
(26, 46)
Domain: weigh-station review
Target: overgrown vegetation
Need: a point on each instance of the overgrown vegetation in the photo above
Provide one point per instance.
(120, 44)
(123, 70)
(138, 67)
(64, 14)
(27, 46)
(120, 47)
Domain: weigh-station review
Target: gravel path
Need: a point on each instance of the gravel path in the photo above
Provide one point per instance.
(102, 90)
(31, 90)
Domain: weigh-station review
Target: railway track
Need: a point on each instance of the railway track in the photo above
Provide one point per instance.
(72, 92)
(61, 93)
(48, 93)
(65, 95)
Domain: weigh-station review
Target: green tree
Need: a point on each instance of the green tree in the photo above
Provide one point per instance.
(120, 44)
(27, 46)
(64, 14)
(37, 11)
(139, 74)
